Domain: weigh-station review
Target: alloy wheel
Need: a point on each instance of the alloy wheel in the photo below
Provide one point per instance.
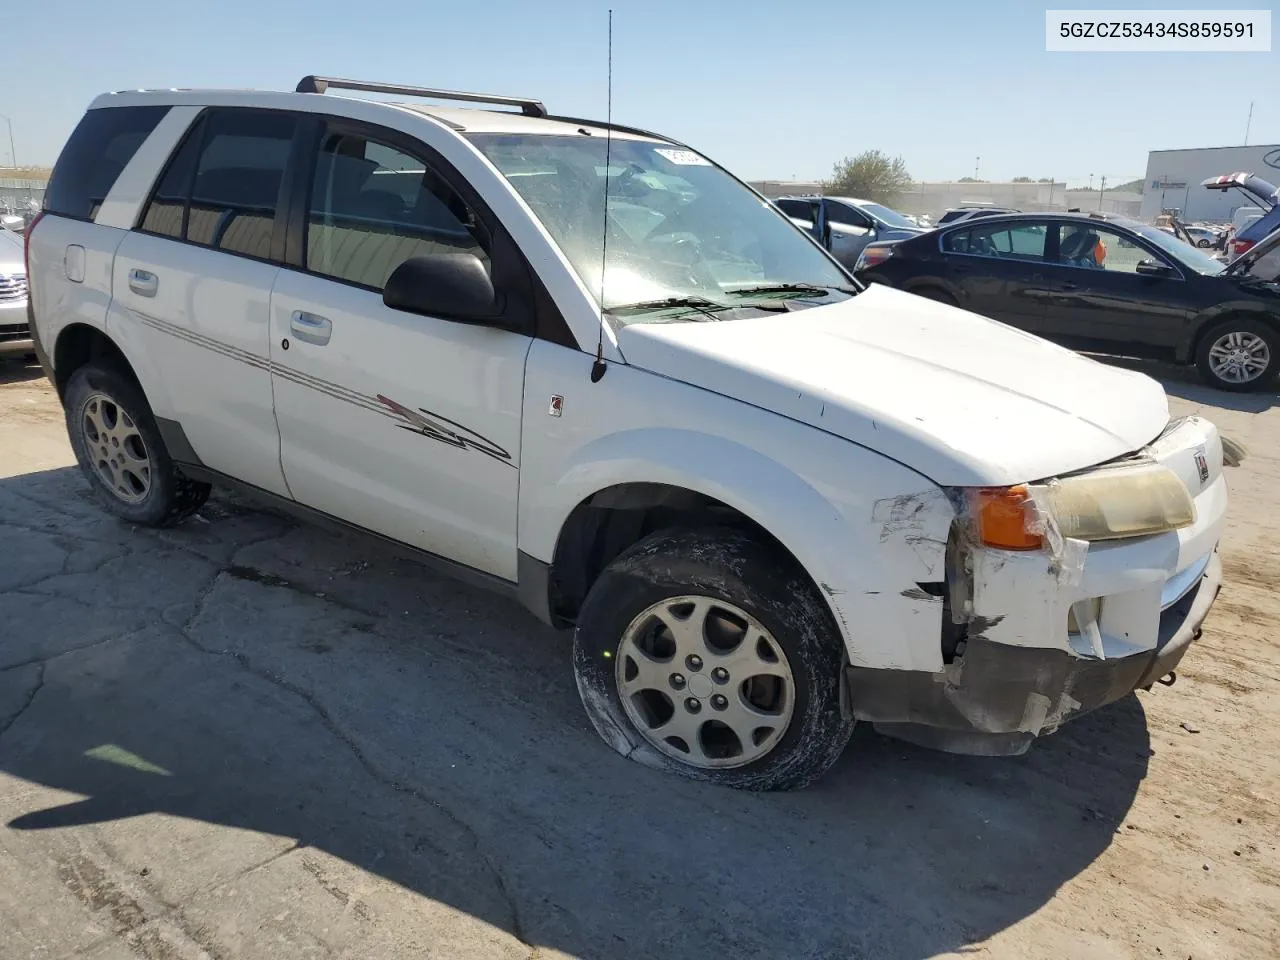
(704, 682)
(116, 448)
(1239, 357)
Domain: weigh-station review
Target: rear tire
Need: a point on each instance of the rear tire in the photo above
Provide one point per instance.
(1238, 354)
(764, 662)
(119, 448)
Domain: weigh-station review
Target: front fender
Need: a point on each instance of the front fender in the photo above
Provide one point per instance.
(1186, 350)
(865, 542)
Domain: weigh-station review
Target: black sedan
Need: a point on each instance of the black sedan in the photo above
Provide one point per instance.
(1101, 284)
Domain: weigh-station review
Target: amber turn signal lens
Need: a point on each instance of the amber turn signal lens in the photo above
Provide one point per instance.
(1005, 517)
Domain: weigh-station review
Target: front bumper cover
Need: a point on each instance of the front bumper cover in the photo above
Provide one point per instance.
(996, 698)
(15, 328)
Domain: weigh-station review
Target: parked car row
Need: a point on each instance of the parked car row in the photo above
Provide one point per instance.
(1100, 283)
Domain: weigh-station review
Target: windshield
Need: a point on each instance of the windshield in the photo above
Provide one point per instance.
(1263, 261)
(1184, 253)
(890, 217)
(679, 228)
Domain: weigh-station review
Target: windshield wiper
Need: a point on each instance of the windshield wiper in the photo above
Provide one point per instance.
(702, 305)
(806, 289)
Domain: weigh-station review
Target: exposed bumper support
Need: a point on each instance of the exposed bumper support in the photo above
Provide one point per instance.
(997, 698)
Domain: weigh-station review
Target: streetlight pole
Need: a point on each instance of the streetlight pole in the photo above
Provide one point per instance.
(13, 157)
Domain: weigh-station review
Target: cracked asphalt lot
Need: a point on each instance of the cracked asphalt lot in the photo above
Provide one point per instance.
(248, 738)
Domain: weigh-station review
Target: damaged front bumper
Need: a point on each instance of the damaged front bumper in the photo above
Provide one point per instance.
(996, 699)
(1046, 635)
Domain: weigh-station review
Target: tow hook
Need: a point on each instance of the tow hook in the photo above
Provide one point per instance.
(1169, 679)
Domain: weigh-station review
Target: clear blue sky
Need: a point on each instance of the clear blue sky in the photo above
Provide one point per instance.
(772, 89)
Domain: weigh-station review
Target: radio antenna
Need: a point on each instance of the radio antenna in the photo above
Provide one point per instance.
(598, 368)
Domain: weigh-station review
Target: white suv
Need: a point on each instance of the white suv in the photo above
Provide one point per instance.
(582, 364)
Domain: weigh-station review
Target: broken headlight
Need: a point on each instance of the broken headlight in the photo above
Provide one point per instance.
(1130, 500)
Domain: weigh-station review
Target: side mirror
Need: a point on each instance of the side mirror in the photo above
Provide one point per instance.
(452, 286)
(1152, 268)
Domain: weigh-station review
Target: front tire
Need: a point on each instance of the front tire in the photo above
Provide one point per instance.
(701, 653)
(119, 448)
(1238, 354)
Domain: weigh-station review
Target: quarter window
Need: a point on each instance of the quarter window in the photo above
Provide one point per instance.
(222, 187)
(1011, 241)
(373, 207)
(95, 156)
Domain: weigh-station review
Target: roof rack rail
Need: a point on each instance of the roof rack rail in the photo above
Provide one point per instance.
(314, 84)
(620, 128)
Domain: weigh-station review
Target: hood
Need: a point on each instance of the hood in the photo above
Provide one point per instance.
(11, 252)
(964, 400)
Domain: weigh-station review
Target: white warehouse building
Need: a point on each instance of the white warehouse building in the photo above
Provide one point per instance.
(1174, 177)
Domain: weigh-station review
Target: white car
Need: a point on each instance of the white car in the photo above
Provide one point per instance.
(15, 338)
(770, 502)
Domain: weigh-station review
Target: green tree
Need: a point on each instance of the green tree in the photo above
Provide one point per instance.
(871, 175)
(1023, 180)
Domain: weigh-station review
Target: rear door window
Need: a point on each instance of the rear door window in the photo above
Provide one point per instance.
(96, 154)
(799, 209)
(166, 214)
(222, 187)
(839, 213)
(1009, 241)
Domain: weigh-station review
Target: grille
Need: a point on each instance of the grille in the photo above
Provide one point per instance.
(10, 332)
(13, 286)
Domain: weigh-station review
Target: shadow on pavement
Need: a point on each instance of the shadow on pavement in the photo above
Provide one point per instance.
(250, 673)
(18, 370)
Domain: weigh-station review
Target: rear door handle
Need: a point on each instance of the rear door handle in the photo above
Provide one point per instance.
(310, 328)
(143, 282)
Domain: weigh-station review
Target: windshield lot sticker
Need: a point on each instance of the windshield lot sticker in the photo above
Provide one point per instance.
(683, 158)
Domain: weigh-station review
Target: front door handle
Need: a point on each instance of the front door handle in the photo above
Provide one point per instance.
(310, 328)
(143, 282)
